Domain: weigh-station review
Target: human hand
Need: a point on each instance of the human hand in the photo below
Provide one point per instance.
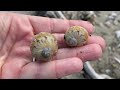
(16, 33)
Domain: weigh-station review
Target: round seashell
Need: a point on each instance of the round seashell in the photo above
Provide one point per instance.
(76, 36)
(44, 46)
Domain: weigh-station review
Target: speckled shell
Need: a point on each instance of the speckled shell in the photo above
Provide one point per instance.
(76, 36)
(44, 42)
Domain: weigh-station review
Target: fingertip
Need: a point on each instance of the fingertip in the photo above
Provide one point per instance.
(98, 40)
(68, 66)
(89, 52)
(77, 62)
(97, 51)
(103, 43)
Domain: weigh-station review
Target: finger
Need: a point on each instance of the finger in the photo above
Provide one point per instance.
(91, 40)
(87, 52)
(43, 24)
(53, 69)
(98, 40)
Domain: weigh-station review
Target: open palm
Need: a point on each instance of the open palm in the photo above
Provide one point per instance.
(16, 33)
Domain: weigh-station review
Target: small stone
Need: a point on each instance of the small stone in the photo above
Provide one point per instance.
(117, 34)
(107, 71)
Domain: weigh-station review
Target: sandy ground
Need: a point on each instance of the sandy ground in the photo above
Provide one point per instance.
(107, 64)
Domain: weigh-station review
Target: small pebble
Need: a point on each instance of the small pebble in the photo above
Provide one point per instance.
(117, 34)
(107, 71)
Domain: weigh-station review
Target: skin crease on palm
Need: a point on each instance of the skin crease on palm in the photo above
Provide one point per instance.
(16, 33)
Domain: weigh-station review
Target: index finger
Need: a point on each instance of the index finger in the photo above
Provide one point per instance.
(52, 25)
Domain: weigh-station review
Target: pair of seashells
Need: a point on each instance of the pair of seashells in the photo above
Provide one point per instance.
(44, 45)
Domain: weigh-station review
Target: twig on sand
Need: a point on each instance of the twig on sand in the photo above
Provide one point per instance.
(93, 74)
(60, 14)
(118, 60)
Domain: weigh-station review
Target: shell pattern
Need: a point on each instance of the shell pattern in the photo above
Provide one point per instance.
(44, 46)
(76, 36)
